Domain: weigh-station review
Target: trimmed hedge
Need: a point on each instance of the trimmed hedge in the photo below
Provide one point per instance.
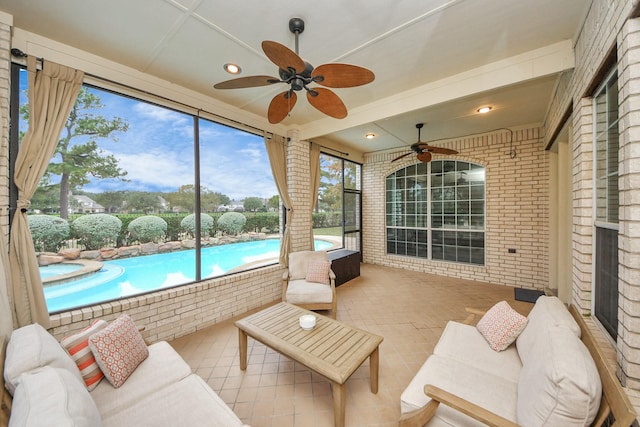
(48, 232)
(96, 231)
(148, 228)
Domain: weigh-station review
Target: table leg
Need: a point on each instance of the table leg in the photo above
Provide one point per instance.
(242, 341)
(374, 362)
(339, 396)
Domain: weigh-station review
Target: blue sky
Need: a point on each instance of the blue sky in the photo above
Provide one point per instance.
(158, 154)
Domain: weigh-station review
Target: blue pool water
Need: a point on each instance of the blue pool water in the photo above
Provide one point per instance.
(137, 275)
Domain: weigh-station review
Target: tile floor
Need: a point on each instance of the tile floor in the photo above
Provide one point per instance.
(408, 309)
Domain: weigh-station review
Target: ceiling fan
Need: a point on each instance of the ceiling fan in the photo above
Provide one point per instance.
(424, 150)
(299, 74)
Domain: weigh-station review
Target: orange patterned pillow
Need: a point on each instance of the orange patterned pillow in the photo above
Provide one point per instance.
(318, 272)
(501, 325)
(77, 346)
(119, 349)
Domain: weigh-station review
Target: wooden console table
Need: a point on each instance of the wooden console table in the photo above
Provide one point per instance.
(332, 349)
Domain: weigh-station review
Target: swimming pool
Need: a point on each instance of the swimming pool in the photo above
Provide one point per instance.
(137, 275)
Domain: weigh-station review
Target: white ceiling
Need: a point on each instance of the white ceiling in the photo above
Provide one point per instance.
(435, 61)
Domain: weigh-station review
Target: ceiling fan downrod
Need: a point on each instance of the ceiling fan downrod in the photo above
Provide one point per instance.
(296, 26)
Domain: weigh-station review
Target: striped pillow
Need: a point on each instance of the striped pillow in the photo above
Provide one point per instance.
(78, 348)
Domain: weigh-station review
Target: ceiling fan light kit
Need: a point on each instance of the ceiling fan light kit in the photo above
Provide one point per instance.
(423, 150)
(299, 75)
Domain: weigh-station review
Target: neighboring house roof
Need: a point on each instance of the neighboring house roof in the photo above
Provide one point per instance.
(87, 202)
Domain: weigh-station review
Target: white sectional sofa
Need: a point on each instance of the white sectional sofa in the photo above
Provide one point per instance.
(547, 377)
(48, 389)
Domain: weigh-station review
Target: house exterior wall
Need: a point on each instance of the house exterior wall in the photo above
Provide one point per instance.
(517, 214)
(607, 29)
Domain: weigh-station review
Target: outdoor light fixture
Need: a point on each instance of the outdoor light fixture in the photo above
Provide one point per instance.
(484, 110)
(370, 135)
(232, 68)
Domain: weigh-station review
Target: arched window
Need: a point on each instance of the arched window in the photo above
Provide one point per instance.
(437, 211)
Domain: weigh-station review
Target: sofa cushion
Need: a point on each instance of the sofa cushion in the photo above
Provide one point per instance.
(465, 344)
(299, 262)
(53, 397)
(119, 349)
(492, 392)
(303, 292)
(318, 272)
(559, 383)
(164, 366)
(77, 345)
(32, 347)
(501, 325)
(548, 311)
(188, 402)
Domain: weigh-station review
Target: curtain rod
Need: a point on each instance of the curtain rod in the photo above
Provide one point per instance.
(20, 54)
(331, 149)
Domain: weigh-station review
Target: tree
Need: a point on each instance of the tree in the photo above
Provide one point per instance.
(253, 204)
(185, 199)
(46, 197)
(113, 201)
(274, 203)
(330, 190)
(77, 155)
(142, 201)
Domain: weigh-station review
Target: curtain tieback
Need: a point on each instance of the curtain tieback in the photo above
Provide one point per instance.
(23, 205)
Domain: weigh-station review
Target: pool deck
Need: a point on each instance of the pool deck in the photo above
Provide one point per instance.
(88, 267)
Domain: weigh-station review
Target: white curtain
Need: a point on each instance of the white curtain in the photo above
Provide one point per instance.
(314, 183)
(277, 151)
(52, 93)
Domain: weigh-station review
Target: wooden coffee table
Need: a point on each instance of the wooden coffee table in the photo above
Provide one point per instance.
(332, 349)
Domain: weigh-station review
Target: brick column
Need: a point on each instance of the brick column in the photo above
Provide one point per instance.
(629, 183)
(582, 204)
(5, 72)
(298, 181)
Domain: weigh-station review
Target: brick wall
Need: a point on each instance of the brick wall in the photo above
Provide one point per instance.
(5, 67)
(517, 197)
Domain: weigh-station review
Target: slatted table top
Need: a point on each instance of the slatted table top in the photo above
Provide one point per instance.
(332, 349)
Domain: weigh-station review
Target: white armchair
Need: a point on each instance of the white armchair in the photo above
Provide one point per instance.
(309, 282)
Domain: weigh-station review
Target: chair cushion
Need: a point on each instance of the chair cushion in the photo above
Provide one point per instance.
(299, 262)
(303, 292)
(548, 311)
(32, 347)
(49, 396)
(77, 345)
(559, 383)
(501, 325)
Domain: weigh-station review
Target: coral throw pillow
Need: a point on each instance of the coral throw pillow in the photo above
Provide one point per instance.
(318, 272)
(119, 349)
(77, 346)
(501, 325)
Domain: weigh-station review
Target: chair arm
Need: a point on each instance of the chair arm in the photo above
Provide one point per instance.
(471, 409)
(285, 275)
(473, 312)
(419, 417)
(332, 275)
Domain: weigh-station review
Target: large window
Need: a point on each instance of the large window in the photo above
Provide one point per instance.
(606, 145)
(338, 210)
(437, 211)
(172, 183)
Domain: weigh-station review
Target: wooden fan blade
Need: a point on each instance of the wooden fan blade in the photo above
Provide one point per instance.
(342, 75)
(281, 105)
(282, 56)
(400, 157)
(327, 102)
(249, 81)
(424, 157)
(441, 150)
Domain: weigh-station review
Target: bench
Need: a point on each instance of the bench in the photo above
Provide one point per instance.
(554, 374)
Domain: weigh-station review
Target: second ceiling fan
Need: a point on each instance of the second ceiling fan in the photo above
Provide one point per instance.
(299, 74)
(423, 150)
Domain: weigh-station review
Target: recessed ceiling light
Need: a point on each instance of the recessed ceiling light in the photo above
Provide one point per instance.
(370, 135)
(484, 110)
(232, 68)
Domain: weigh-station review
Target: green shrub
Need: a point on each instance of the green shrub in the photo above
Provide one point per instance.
(97, 230)
(231, 222)
(188, 224)
(148, 228)
(48, 232)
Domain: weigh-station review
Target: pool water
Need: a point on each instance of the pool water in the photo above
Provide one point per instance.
(137, 275)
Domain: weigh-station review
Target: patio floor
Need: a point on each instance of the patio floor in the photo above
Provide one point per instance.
(408, 309)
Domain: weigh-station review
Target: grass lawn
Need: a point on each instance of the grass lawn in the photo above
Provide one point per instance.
(331, 231)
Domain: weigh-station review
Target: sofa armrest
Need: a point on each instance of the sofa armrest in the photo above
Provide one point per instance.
(473, 312)
(471, 409)
(419, 417)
